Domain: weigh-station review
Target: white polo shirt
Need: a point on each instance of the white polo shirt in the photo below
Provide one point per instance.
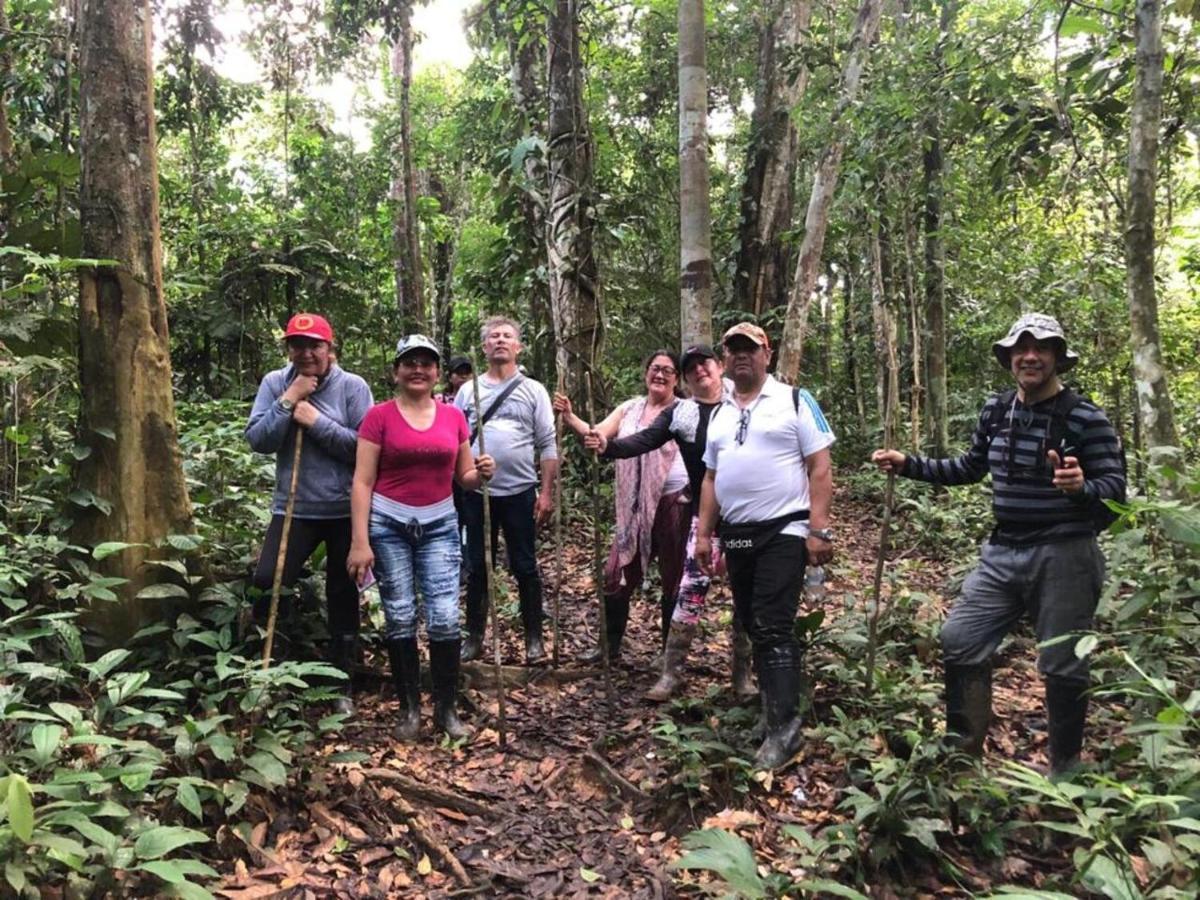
(764, 476)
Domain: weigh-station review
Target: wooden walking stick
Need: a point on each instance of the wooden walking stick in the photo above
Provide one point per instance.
(277, 584)
(885, 533)
(488, 574)
(558, 501)
(597, 559)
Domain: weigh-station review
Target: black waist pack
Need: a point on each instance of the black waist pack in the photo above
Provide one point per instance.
(750, 537)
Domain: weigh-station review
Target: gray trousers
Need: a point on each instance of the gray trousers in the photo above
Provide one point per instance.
(1057, 585)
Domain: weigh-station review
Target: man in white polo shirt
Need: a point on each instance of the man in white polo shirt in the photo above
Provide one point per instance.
(770, 482)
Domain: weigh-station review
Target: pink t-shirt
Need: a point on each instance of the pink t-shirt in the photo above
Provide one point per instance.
(415, 467)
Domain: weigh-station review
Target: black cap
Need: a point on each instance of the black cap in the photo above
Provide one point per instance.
(459, 362)
(695, 352)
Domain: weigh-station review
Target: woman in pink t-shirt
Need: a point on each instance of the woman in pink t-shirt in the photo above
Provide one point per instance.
(411, 449)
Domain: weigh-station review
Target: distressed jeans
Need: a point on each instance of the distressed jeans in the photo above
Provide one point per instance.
(412, 559)
(1058, 585)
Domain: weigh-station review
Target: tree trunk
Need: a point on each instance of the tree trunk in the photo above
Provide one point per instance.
(935, 256)
(6, 141)
(887, 364)
(1149, 372)
(917, 389)
(695, 225)
(406, 240)
(440, 312)
(526, 56)
(791, 346)
(850, 347)
(127, 412)
(574, 294)
(768, 189)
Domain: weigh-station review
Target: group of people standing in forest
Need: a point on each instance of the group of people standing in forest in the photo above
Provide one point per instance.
(736, 476)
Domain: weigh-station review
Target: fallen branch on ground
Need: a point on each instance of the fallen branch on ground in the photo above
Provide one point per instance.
(430, 794)
(610, 774)
(425, 836)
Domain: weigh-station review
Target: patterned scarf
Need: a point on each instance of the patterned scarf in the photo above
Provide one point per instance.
(639, 487)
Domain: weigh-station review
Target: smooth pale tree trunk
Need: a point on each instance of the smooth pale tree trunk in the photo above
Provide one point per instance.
(816, 220)
(933, 166)
(574, 295)
(406, 238)
(768, 188)
(127, 412)
(695, 226)
(1149, 372)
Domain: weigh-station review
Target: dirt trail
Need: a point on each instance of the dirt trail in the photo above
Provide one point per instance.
(556, 814)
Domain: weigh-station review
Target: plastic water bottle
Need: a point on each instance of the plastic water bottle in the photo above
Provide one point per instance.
(814, 584)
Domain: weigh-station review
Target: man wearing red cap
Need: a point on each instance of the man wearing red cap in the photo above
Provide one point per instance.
(770, 480)
(312, 393)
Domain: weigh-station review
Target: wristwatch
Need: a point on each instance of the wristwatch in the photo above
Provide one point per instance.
(825, 534)
(286, 405)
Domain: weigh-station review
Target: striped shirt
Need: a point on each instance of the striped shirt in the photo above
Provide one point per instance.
(1028, 508)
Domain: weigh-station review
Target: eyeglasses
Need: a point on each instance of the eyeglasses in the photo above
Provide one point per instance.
(662, 370)
(743, 427)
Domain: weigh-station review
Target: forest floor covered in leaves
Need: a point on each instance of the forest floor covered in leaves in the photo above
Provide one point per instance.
(587, 798)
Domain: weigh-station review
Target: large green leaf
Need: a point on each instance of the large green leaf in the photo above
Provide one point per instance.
(162, 839)
(20, 807)
(727, 856)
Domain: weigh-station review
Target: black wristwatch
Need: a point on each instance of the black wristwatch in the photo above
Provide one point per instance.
(286, 405)
(825, 534)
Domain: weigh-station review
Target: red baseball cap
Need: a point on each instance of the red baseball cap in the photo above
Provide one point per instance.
(309, 325)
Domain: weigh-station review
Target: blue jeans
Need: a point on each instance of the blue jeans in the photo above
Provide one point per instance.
(411, 558)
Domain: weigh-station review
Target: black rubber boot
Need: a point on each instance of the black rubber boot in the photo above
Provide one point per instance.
(1066, 713)
(968, 706)
(779, 682)
(343, 654)
(616, 614)
(406, 675)
(529, 589)
(743, 653)
(443, 666)
(472, 647)
(666, 613)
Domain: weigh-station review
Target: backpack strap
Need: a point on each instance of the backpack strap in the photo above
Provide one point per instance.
(999, 410)
(495, 405)
(1059, 428)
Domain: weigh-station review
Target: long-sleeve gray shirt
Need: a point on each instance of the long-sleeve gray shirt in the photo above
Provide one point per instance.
(523, 425)
(327, 459)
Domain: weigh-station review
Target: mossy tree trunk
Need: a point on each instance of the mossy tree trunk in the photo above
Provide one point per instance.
(127, 412)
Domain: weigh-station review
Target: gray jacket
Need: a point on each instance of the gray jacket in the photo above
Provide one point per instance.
(327, 459)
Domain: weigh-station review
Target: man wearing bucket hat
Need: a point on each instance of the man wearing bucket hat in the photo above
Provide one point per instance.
(312, 392)
(1054, 458)
(770, 480)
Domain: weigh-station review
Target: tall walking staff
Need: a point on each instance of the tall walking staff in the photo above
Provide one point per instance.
(885, 533)
(597, 557)
(558, 501)
(277, 584)
(489, 574)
